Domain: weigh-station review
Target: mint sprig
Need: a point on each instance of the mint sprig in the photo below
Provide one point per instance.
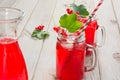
(81, 9)
(70, 22)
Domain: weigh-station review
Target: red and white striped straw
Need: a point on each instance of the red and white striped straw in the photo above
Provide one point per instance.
(92, 15)
(97, 7)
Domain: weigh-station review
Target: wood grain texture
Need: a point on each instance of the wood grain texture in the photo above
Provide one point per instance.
(46, 65)
(40, 55)
(7, 3)
(115, 6)
(41, 14)
(110, 68)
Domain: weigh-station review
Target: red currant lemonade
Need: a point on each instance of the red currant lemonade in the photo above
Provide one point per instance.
(12, 64)
(70, 60)
(90, 32)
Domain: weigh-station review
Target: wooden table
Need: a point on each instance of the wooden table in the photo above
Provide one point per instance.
(40, 55)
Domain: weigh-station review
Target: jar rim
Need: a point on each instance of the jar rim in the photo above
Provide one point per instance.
(71, 38)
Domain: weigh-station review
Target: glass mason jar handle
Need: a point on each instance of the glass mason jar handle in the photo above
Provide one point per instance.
(94, 59)
(100, 44)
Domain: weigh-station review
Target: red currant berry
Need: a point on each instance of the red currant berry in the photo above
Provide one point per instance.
(36, 28)
(63, 33)
(77, 12)
(40, 27)
(69, 11)
(56, 29)
(84, 20)
(77, 33)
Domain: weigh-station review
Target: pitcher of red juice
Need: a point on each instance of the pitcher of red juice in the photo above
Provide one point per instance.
(71, 55)
(12, 63)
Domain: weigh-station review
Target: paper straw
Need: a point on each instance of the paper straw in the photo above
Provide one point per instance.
(92, 15)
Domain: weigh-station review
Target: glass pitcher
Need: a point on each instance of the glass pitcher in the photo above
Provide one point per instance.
(71, 55)
(12, 63)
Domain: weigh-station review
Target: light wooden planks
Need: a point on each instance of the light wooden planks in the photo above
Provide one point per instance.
(7, 3)
(115, 5)
(109, 67)
(40, 55)
(26, 43)
(40, 15)
(46, 65)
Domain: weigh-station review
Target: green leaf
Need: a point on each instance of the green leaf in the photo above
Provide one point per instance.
(45, 34)
(81, 8)
(35, 32)
(74, 27)
(70, 22)
(40, 34)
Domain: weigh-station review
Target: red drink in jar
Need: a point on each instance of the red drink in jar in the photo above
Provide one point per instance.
(90, 32)
(70, 62)
(70, 57)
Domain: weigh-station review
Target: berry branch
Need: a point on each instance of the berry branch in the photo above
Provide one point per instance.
(39, 33)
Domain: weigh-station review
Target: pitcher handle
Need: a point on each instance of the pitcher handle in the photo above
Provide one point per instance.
(100, 44)
(94, 59)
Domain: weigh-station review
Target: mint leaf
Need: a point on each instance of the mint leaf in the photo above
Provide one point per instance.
(70, 22)
(81, 8)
